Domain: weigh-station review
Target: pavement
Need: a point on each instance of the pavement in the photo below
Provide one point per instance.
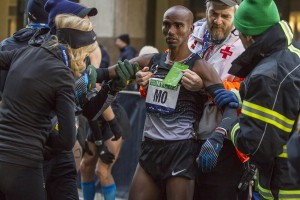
(98, 196)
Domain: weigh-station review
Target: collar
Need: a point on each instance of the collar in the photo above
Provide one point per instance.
(37, 26)
(124, 48)
(53, 47)
(275, 39)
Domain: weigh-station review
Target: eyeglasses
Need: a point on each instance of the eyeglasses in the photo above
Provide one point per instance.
(235, 32)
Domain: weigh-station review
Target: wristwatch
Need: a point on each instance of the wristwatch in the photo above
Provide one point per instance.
(98, 142)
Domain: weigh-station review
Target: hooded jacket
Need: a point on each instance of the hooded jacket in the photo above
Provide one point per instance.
(38, 83)
(33, 34)
(270, 94)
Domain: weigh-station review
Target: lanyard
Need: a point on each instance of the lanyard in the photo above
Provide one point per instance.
(64, 55)
(205, 44)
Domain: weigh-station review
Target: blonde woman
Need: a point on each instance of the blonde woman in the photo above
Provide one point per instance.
(59, 167)
(40, 82)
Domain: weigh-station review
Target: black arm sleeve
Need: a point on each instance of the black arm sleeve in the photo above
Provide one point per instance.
(6, 59)
(96, 129)
(102, 75)
(65, 140)
(229, 118)
(212, 88)
(95, 104)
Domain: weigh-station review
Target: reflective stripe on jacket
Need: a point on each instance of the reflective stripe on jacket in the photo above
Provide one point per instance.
(270, 95)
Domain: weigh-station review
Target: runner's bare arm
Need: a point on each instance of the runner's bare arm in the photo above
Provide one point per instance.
(142, 60)
(207, 73)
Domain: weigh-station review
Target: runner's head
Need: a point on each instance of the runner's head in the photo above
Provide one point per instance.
(177, 26)
(78, 36)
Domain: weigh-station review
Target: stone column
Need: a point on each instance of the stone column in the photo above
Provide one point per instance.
(4, 19)
(116, 17)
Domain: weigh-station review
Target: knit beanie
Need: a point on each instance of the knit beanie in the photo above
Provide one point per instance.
(36, 12)
(56, 7)
(254, 17)
(125, 38)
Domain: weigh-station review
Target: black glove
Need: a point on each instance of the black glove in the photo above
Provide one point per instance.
(117, 85)
(209, 152)
(115, 128)
(104, 154)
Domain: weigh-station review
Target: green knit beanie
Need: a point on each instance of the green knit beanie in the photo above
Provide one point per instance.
(254, 17)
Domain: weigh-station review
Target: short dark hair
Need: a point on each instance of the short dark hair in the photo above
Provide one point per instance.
(125, 38)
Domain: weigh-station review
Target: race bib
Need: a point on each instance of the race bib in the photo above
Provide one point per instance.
(161, 98)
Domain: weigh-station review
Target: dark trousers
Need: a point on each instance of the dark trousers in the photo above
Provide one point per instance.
(61, 177)
(222, 183)
(20, 182)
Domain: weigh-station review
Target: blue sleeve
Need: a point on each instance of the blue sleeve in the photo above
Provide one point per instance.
(105, 59)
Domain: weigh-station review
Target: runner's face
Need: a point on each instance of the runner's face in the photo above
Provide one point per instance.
(219, 20)
(176, 29)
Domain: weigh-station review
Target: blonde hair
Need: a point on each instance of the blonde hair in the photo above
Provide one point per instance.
(77, 56)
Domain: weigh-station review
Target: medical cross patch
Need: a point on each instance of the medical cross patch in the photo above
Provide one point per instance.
(226, 52)
(194, 44)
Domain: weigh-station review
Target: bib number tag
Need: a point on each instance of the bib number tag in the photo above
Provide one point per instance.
(161, 98)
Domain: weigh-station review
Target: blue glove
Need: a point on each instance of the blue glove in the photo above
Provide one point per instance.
(224, 97)
(209, 152)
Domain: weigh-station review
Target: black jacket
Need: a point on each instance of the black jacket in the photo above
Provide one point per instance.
(271, 102)
(127, 52)
(270, 94)
(294, 156)
(38, 83)
(21, 38)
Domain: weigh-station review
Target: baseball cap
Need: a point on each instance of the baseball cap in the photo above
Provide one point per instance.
(55, 7)
(87, 12)
(228, 2)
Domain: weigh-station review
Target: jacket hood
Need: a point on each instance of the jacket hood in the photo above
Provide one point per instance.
(33, 36)
(275, 39)
(24, 34)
